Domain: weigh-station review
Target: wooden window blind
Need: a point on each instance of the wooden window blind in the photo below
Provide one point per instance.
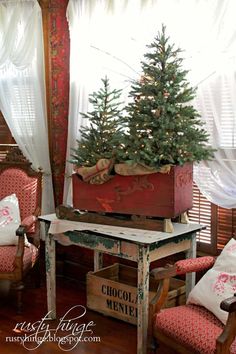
(220, 223)
(23, 111)
(201, 214)
(6, 138)
(216, 104)
(5, 134)
(226, 222)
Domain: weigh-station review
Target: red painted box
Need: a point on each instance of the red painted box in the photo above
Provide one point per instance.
(164, 195)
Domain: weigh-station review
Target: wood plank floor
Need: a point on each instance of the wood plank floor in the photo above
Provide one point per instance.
(116, 337)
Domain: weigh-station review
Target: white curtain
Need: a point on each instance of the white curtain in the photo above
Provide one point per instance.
(216, 102)
(106, 38)
(110, 37)
(22, 86)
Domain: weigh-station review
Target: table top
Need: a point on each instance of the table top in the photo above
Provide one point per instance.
(148, 237)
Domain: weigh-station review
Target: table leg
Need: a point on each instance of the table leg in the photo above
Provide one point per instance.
(191, 253)
(51, 275)
(143, 297)
(98, 260)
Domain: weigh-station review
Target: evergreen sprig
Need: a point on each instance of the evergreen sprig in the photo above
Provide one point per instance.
(163, 127)
(102, 136)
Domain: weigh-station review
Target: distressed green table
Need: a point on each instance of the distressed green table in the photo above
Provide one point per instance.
(141, 246)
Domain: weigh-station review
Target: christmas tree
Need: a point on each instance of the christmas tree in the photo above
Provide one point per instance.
(100, 139)
(163, 128)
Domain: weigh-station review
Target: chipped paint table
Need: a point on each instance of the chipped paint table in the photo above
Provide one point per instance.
(141, 246)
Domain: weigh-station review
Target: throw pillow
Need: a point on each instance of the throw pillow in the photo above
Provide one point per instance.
(9, 221)
(218, 283)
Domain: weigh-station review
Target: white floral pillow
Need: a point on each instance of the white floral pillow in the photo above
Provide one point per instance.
(9, 220)
(218, 283)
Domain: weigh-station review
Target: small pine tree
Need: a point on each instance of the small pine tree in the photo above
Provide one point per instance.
(162, 127)
(101, 138)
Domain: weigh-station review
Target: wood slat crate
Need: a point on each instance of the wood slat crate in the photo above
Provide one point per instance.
(112, 291)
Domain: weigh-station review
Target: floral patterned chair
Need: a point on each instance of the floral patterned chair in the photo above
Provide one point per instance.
(17, 176)
(193, 328)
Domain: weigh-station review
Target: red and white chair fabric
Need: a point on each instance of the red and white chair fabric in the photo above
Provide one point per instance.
(16, 260)
(190, 328)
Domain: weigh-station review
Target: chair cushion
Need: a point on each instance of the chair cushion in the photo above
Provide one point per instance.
(7, 257)
(193, 326)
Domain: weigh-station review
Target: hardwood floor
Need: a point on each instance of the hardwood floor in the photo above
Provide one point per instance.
(116, 337)
(110, 336)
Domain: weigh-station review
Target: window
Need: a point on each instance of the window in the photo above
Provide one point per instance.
(216, 103)
(210, 56)
(220, 223)
(21, 69)
(23, 111)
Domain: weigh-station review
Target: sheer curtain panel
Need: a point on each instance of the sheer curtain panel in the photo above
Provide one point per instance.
(110, 37)
(106, 39)
(22, 86)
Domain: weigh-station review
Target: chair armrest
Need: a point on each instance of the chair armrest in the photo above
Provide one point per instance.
(227, 337)
(184, 266)
(163, 275)
(20, 231)
(32, 227)
(229, 304)
(28, 222)
(194, 264)
(160, 298)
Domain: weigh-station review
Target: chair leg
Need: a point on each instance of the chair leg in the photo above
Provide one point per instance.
(19, 297)
(36, 274)
(18, 287)
(152, 349)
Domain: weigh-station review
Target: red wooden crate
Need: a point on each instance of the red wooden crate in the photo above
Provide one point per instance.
(164, 195)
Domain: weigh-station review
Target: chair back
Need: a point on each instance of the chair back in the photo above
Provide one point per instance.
(17, 176)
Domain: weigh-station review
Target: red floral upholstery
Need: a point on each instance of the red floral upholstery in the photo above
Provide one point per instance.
(192, 326)
(8, 254)
(24, 186)
(194, 264)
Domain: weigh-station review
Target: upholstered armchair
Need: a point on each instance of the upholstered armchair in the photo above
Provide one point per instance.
(19, 182)
(194, 327)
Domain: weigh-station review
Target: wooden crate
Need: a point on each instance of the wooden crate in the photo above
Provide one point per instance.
(112, 291)
(163, 195)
